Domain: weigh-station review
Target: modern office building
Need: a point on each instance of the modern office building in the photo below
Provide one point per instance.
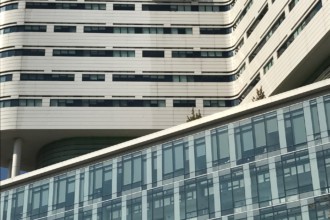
(259, 161)
(80, 75)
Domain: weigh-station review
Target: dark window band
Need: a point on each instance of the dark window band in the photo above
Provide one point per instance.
(24, 28)
(94, 53)
(58, 28)
(20, 103)
(93, 77)
(218, 103)
(215, 30)
(202, 54)
(152, 53)
(300, 27)
(106, 103)
(243, 13)
(267, 37)
(46, 77)
(6, 78)
(184, 103)
(76, 6)
(9, 7)
(136, 30)
(257, 21)
(123, 7)
(190, 8)
(22, 52)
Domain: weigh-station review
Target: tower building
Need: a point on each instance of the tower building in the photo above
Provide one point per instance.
(79, 76)
(101, 76)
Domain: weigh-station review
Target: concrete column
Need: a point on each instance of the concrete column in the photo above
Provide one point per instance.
(94, 211)
(216, 191)
(50, 197)
(16, 162)
(191, 150)
(232, 146)
(273, 180)
(149, 168)
(159, 165)
(247, 186)
(208, 151)
(114, 177)
(176, 201)
(76, 194)
(124, 208)
(281, 131)
(308, 124)
(144, 204)
(322, 118)
(315, 171)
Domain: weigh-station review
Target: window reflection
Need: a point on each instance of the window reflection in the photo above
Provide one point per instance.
(295, 130)
(294, 174)
(260, 184)
(232, 190)
(258, 137)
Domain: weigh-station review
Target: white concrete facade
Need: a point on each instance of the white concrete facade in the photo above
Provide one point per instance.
(43, 123)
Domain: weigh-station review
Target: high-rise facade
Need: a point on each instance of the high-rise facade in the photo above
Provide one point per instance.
(81, 75)
(77, 76)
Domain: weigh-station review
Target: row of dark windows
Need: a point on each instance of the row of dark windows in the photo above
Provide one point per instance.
(36, 28)
(114, 103)
(93, 77)
(125, 77)
(202, 54)
(215, 30)
(214, 54)
(80, 6)
(300, 27)
(177, 78)
(136, 30)
(257, 21)
(22, 52)
(61, 28)
(54, 77)
(190, 8)
(6, 78)
(106, 103)
(20, 103)
(160, 103)
(116, 53)
(130, 7)
(94, 53)
(270, 33)
(24, 28)
(46, 77)
(243, 13)
(115, 29)
(136, 103)
(292, 4)
(153, 53)
(9, 7)
(123, 7)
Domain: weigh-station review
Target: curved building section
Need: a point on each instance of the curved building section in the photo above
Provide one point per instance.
(61, 150)
(117, 68)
